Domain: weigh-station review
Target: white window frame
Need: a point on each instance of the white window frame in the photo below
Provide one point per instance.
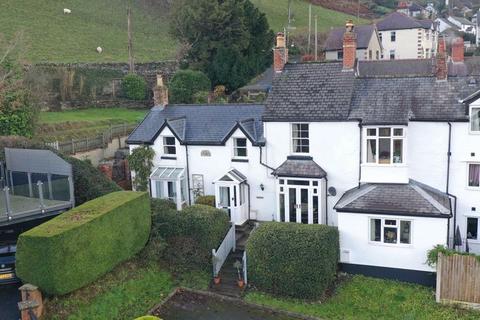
(470, 120)
(468, 177)
(291, 138)
(392, 137)
(236, 147)
(393, 34)
(166, 146)
(478, 228)
(382, 226)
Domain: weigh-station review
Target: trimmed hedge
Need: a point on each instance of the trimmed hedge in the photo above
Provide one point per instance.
(206, 200)
(191, 234)
(293, 259)
(77, 247)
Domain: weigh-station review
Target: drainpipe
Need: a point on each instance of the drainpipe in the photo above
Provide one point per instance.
(264, 164)
(188, 175)
(447, 191)
(326, 201)
(249, 204)
(360, 154)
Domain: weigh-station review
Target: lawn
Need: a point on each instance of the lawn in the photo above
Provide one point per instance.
(81, 123)
(277, 14)
(53, 36)
(127, 292)
(366, 298)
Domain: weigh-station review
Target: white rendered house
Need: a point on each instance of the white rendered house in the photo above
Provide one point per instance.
(387, 151)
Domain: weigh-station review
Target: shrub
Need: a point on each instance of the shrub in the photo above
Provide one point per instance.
(186, 83)
(75, 248)
(148, 318)
(432, 254)
(206, 200)
(191, 234)
(134, 87)
(293, 259)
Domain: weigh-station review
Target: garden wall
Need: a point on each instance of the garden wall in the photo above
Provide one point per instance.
(64, 86)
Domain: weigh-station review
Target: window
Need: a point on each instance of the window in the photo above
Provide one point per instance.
(427, 52)
(240, 147)
(391, 231)
(475, 119)
(472, 228)
(392, 54)
(169, 145)
(340, 55)
(474, 175)
(377, 55)
(384, 145)
(393, 36)
(370, 55)
(380, 36)
(300, 138)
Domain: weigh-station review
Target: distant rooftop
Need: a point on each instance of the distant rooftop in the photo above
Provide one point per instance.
(399, 21)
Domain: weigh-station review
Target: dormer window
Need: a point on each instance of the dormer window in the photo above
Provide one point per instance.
(300, 138)
(475, 119)
(169, 146)
(384, 145)
(240, 148)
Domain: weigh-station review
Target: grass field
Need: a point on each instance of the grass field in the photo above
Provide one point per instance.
(76, 124)
(365, 298)
(53, 36)
(277, 14)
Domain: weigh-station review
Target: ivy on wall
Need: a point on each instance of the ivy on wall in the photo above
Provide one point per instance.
(141, 162)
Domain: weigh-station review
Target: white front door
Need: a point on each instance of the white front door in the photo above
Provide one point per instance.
(233, 198)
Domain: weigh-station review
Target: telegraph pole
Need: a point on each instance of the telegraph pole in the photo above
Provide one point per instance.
(309, 26)
(316, 39)
(131, 63)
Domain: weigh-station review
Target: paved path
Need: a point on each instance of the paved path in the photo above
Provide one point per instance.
(9, 296)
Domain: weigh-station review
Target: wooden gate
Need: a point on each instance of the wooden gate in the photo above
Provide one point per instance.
(458, 280)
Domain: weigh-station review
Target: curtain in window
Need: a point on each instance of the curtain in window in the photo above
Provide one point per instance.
(224, 196)
(475, 119)
(371, 151)
(474, 175)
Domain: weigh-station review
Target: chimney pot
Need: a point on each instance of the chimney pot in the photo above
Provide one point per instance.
(280, 53)
(349, 46)
(458, 50)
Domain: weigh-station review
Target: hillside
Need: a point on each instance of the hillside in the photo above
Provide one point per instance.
(52, 36)
(56, 37)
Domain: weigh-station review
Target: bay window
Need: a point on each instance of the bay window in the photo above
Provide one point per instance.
(390, 231)
(384, 145)
(475, 119)
(474, 175)
(300, 138)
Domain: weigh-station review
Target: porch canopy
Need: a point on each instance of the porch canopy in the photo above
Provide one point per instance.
(169, 183)
(232, 194)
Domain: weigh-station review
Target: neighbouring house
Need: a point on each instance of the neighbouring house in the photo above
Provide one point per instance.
(403, 37)
(463, 24)
(444, 24)
(368, 43)
(387, 151)
(432, 11)
(412, 9)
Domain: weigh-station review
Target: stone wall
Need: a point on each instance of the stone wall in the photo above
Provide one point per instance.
(64, 86)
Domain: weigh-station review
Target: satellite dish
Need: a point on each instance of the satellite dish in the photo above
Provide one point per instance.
(332, 191)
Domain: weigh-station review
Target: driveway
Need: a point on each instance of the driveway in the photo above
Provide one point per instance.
(9, 296)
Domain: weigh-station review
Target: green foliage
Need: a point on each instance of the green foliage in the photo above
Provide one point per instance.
(148, 318)
(186, 85)
(201, 97)
(229, 40)
(206, 200)
(191, 234)
(363, 298)
(293, 259)
(432, 254)
(77, 247)
(141, 162)
(134, 87)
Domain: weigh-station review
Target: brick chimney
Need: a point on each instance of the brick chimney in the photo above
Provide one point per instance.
(349, 46)
(160, 92)
(280, 53)
(458, 50)
(441, 66)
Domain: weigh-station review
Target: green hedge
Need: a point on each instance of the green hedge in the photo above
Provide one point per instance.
(206, 200)
(75, 248)
(191, 234)
(293, 259)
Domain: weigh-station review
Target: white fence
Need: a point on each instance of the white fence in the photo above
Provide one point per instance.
(244, 265)
(220, 255)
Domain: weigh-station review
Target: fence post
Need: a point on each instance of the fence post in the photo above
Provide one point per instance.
(438, 289)
(234, 239)
(7, 202)
(214, 262)
(40, 195)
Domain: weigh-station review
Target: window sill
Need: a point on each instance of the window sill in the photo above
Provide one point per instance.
(394, 165)
(473, 188)
(392, 245)
(168, 157)
(239, 160)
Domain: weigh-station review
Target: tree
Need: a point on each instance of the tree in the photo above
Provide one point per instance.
(229, 40)
(141, 162)
(186, 84)
(17, 112)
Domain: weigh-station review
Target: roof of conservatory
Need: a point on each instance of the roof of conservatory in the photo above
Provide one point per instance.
(167, 173)
(412, 199)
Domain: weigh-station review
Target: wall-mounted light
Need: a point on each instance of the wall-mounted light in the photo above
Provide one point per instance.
(262, 186)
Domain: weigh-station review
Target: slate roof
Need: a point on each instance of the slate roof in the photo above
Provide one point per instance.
(400, 68)
(463, 21)
(310, 92)
(335, 37)
(412, 199)
(300, 167)
(201, 124)
(400, 21)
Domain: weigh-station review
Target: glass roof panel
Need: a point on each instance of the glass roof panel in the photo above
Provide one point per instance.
(167, 173)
